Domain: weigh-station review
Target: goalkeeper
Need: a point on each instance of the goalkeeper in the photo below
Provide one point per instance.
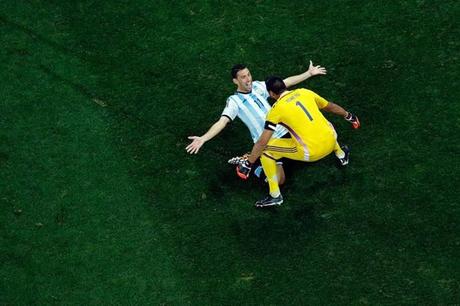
(312, 136)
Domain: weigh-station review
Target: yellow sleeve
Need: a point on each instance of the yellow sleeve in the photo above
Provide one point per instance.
(273, 118)
(320, 101)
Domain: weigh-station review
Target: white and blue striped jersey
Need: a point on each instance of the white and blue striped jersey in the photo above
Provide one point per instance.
(252, 108)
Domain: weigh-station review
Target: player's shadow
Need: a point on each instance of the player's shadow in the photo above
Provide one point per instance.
(226, 181)
(335, 176)
(275, 230)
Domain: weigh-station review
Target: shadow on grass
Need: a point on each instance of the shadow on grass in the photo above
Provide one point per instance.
(293, 224)
(275, 230)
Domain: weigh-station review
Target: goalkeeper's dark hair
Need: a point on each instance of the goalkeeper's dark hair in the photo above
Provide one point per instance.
(237, 68)
(275, 84)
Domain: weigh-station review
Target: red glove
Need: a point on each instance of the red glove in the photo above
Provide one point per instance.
(243, 169)
(353, 119)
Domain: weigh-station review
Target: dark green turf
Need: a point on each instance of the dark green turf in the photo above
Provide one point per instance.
(101, 204)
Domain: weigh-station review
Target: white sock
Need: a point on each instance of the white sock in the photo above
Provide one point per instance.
(340, 154)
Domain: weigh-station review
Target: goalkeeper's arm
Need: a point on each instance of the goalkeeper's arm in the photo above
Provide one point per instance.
(244, 168)
(339, 110)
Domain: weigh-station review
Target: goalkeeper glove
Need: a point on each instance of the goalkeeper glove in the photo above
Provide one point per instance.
(353, 119)
(243, 169)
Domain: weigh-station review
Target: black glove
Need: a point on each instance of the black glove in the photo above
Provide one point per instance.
(353, 119)
(243, 169)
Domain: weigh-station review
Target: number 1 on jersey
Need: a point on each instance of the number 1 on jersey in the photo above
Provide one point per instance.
(305, 110)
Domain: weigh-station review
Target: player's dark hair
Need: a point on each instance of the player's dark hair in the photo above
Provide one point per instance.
(275, 84)
(237, 68)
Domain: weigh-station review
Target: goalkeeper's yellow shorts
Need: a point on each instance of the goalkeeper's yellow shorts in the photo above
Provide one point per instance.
(289, 148)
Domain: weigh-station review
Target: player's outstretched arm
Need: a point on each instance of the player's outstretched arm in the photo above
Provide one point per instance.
(198, 141)
(338, 110)
(335, 109)
(312, 70)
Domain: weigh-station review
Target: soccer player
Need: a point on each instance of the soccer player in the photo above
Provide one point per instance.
(249, 103)
(313, 137)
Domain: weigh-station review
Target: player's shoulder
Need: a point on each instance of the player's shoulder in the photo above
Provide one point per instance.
(235, 96)
(232, 100)
(232, 96)
(258, 83)
(306, 91)
(259, 87)
(277, 106)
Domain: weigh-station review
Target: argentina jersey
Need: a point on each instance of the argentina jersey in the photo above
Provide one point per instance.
(252, 109)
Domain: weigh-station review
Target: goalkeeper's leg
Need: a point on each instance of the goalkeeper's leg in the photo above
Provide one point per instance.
(275, 150)
(260, 173)
(338, 151)
(280, 174)
(270, 170)
(342, 153)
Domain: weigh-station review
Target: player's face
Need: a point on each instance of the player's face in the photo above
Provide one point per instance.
(243, 80)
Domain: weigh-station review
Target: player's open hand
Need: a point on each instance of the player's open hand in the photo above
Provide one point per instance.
(315, 70)
(196, 144)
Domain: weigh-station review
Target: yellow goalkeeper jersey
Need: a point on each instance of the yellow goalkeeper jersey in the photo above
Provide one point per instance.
(299, 111)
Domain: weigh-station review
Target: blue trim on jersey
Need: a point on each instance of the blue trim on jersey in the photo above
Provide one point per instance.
(256, 116)
(252, 109)
(259, 103)
(247, 120)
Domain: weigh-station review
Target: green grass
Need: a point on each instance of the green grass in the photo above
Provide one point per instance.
(101, 204)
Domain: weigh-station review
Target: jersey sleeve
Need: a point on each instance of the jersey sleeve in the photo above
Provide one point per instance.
(261, 88)
(273, 118)
(320, 101)
(231, 109)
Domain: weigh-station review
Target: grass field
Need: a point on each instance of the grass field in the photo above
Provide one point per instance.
(102, 205)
